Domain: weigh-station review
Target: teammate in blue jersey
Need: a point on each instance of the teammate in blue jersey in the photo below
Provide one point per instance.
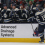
(23, 15)
(40, 17)
(5, 14)
(13, 14)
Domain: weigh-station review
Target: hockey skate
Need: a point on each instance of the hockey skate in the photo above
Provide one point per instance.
(42, 41)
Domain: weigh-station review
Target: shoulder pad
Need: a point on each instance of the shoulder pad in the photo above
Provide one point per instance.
(0, 8)
(38, 13)
(25, 9)
(16, 9)
(43, 9)
(8, 10)
(34, 8)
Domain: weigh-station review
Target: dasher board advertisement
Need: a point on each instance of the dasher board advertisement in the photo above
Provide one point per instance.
(18, 33)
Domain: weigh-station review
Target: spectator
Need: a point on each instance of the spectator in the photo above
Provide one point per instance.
(23, 3)
(38, 1)
(29, 0)
(18, 2)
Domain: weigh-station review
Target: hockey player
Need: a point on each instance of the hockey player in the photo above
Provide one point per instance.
(22, 14)
(13, 14)
(36, 8)
(5, 14)
(40, 17)
(26, 8)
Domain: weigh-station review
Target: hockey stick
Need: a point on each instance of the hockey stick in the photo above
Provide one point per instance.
(32, 27)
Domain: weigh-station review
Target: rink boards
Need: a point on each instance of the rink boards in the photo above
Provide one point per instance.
(18, 33)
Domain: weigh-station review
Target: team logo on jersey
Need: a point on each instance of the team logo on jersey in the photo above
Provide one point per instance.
(5, 15)
(24, 14)
(15, 13)
(31, 12)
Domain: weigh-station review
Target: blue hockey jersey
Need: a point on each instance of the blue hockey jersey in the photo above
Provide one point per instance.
(40, 17)
(5, 16)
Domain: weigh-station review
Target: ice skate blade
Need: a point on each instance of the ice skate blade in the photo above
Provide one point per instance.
(41, 42)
